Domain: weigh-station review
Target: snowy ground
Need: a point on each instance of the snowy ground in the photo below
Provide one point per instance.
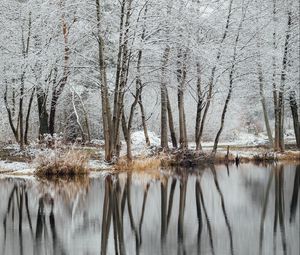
(245, 145)
(21, 168)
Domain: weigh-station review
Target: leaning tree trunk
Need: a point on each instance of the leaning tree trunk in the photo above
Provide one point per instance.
(294, 109)
(214, 151)
(232, 69)
(171, 122)
(144, 124)
(212, 77)
(10, 115)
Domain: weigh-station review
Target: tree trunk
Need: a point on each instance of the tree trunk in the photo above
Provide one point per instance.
(265, 112)
(27, 117)
(275, 92)
(144, 124)
(232, 69)
(120, 87)
(181, 76)
(294, 109)
(53, 112)
(77, 118)
(261, 90)
(116, 110)
(10, 116)
(42, 112)
(223, 113)
(86, 117)
(212, 76)
(282, 86)
(59, 87)
(171, 122)
(139, 81)
(199, 108)
(106, 113)
(164, 101)
(21, 127)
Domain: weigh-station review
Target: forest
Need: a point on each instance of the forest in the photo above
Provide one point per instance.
(189, 73)
(149, 127)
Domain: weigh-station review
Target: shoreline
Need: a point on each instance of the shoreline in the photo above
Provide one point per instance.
(174, 158)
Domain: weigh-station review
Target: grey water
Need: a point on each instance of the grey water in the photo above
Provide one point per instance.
(223, 210)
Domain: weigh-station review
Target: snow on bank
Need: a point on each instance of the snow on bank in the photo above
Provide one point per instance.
(139, 146)
(19, 167)
(138, 140)
(95, 165)
(243, 138)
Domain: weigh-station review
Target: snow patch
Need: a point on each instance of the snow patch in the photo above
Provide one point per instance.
(20, 167)
(138, 139)
(251, 139)
(95, 165)
(139, 146)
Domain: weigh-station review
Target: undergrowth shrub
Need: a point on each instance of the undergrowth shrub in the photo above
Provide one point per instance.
(59, 163)
(138, 164)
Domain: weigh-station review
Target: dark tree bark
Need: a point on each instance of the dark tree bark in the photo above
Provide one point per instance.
(199, 108)
(28, 116)
(171, 122)
(106, 112)
(59, 87)
(164, 101)
(279, 108)
(294, 109)
(42, 111)
(181, 78)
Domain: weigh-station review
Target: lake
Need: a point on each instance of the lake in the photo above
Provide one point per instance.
(248, 209)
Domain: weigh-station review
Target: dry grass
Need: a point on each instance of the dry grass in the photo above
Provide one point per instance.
(141, 164)
(70, 163)
(289, 156)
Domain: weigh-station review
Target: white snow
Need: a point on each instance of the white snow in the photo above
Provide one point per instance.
(97, 142)
(138, 140)
(243, 138)
(95, 165)
(138, 143)
(20, 167)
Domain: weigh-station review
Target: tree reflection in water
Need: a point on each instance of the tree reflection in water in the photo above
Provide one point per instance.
(294, 201)
(179, 211)
(43, 235)
(277, 173)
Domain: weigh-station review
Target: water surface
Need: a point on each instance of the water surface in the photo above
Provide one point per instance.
(218, 210)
